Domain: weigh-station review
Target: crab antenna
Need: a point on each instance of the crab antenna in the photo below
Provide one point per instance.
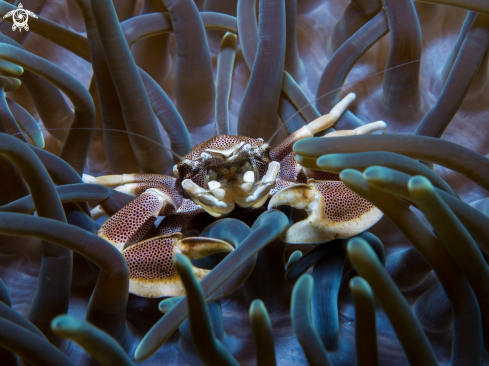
(332, 91)
(112, 130)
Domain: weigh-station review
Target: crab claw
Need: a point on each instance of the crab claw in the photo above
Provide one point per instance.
(132, 222)
(258, 197)
(150, 262)
(335, 211)
(215, 205)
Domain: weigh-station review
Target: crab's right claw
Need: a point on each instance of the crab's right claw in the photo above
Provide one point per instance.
(334, 211)
(150, 262)
(134, 220)
(216, 203)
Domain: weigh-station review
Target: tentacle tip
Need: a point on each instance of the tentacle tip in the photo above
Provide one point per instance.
(420, 186)
(374, 173)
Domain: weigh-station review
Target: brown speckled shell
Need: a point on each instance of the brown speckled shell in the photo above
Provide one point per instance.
(221, 142)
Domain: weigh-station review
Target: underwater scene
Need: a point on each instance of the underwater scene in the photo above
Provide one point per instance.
(244, 182)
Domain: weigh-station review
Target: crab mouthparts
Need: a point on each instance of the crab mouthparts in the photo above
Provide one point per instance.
(228, 187)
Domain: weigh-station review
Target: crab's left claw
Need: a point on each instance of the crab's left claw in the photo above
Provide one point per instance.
(131, 223)
(334, 211)
(150, 262)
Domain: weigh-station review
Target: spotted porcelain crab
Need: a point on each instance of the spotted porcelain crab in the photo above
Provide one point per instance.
(217, 176)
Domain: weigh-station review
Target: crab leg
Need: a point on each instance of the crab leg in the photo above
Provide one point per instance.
(136, 189)
(320, 124)
(292, 171)
(180, 218)
(122, 179)
(362, 130)
(150, 262)
(132, 222)
(335, 211)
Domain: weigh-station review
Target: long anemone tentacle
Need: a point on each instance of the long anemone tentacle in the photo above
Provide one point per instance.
(4, 294)
(234, 232)
(7, 357)
(140, 27)
(467, 338)
(335, 163)
(258, 111)
(477, 6)
(59, 170)
(304, 330)
(53, 290)
(293, 63)
(343, 60)
(30, 347)
(211, 351)
(194, 81)
(248, 30)
(452, 156)
(8, 123)
(153, 24)
(96, 342)
(263, 334)
(413, 339)
(433, 310)
(396, 183)
(327, 279)
(151, 158)
(288, 113)
(75, 148)
(456, 239)
(53, 110)
(27, 122)
(107, 306)
(166, 112)
(152, 55)
(401, 85)
(7, 313)
(462, 74)
(356, 14)
(225, 66)
(118, 150)
(316, 254)
(80, 192)
(408, 268)
(443, 74)
(365, 323)
(299, 99)
(168, 116)
(267, 281)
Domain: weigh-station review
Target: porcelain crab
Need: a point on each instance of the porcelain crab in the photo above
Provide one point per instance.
(217, 176)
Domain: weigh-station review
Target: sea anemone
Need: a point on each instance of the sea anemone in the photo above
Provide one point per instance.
(105, 87)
